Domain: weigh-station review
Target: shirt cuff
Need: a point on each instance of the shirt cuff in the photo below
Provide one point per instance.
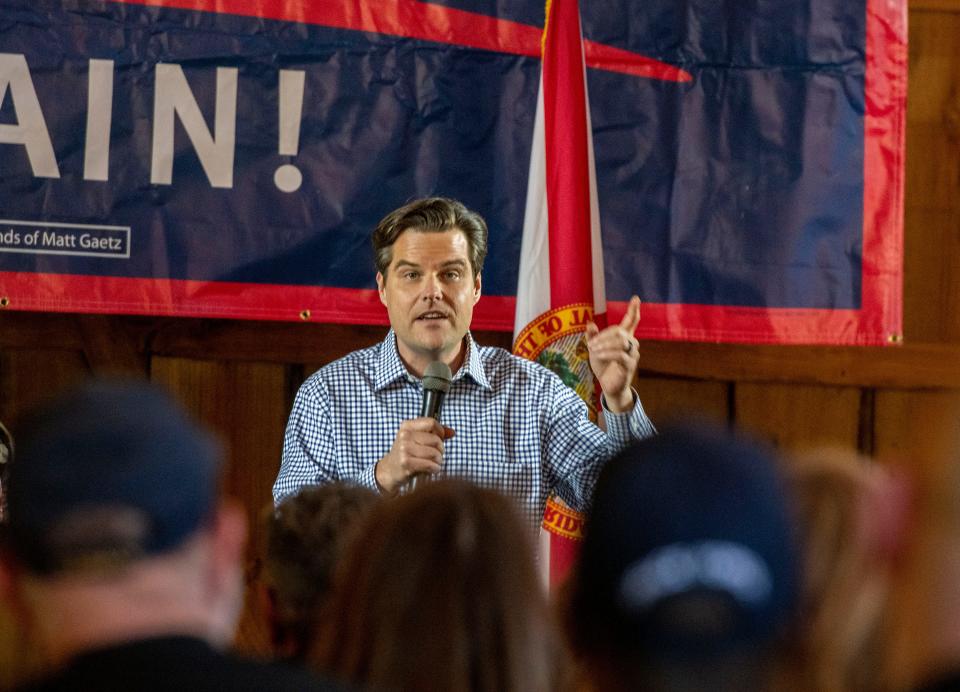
(630, 425)
(368, 479)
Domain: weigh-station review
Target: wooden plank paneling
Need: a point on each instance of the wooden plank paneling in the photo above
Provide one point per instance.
(938, 6)
(266, 341)
(908, 366)
(927, 298)
(913, 365)
(670, 399)
(916, 434)
(799, 417)
(932, 204)
(933, 69)
(27, 377)
(932, 186)
(246, 403)
(39, 330)
(910, 425)
(109, 348)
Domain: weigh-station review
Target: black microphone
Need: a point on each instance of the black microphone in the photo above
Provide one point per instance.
(436, 384)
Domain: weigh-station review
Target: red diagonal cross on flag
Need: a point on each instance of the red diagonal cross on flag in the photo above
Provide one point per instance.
(428, 22)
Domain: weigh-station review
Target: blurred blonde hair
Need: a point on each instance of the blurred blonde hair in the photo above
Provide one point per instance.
(838, 638)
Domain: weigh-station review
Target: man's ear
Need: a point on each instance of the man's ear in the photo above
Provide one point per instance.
(476, 289)
(382, 288)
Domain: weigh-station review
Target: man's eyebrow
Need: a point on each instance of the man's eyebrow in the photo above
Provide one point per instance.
(407, 264)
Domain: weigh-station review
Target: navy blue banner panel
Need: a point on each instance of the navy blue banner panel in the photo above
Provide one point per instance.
(230, 159)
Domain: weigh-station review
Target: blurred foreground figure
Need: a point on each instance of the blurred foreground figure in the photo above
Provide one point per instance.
(928, 588)
(687, 576)
(121, 555)
(851, 514)
(307, 535)
(440, 592)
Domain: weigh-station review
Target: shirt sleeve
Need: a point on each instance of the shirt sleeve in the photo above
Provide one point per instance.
(308, 454)
(629, 426)
(576, 448)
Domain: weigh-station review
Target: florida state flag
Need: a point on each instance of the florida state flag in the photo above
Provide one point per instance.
(561, 261)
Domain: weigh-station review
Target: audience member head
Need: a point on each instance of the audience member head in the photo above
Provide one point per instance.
(115, 527)
(306, 537)
(849, 513)
(687, 573)
(439, 591)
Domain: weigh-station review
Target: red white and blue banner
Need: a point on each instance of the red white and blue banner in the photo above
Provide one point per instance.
(229, 158)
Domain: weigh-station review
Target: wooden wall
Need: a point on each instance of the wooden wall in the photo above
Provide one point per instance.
(240, 377)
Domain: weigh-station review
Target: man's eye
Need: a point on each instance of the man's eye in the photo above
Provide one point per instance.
(453, 275)
(411, 275)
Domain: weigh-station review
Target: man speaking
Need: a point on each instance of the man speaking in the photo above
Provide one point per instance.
(506, 422)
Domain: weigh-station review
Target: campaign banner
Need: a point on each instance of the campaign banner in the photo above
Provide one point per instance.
(223, 158)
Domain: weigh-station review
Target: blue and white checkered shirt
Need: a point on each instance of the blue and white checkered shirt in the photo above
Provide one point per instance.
(519, 429)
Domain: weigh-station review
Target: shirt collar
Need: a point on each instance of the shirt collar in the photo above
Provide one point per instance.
(390, 368)
(473, 365)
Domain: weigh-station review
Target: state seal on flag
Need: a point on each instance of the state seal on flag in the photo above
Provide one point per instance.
(555, 340)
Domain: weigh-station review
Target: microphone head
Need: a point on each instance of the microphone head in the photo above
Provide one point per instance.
(437, 377)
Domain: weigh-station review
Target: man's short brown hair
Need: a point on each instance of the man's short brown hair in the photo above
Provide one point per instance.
(430, 215)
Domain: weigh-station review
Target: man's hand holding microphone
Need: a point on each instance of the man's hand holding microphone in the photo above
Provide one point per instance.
(418, 447)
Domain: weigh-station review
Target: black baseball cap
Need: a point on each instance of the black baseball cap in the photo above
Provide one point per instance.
(109, 472)
(689, 549)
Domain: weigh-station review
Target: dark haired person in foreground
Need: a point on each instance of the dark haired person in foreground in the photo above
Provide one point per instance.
(688, 577)
(507, 422)
(124, 559)
(307, 535)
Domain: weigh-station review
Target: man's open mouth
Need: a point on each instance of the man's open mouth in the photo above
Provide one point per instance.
(430, 316)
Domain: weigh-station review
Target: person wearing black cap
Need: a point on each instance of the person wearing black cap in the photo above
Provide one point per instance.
(125, 561)
(688, 573)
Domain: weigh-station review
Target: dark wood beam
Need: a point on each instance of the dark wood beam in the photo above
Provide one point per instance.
(111, 348)
(934, 5)
(128, 341)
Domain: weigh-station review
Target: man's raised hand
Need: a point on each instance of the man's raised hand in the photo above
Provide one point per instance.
(614, 357)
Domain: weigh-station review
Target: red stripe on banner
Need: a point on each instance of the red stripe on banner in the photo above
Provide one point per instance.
(748, 325)
(568, 184)
(883, 169)
(428, 22)
(221, 299)
(118, 295)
